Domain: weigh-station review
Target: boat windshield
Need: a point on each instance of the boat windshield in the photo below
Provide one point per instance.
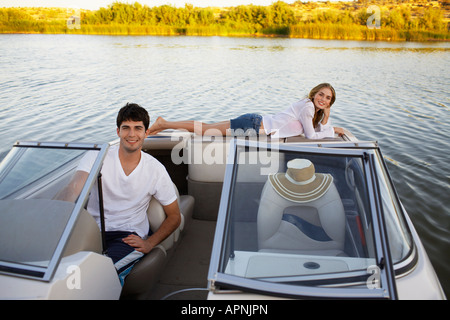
(36, 209)
(306, 217)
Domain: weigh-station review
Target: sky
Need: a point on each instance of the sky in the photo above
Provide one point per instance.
(96, 4)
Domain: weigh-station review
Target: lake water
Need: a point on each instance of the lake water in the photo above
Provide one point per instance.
(70, 87)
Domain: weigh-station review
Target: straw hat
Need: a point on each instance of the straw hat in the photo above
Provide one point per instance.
(301, 183)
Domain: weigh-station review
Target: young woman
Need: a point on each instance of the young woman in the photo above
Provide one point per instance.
(310, 116)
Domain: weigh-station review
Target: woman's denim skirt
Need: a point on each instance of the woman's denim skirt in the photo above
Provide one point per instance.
(246, 125)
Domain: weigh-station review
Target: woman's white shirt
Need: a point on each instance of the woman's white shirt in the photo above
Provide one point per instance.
(296, 120)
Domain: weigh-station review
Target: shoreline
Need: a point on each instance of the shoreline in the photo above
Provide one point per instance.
(369, 34)
(382, 21)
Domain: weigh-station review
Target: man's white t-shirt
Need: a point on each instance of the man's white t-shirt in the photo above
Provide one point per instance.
(126, 198)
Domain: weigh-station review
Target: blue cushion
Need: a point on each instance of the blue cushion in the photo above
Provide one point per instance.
(314, 232)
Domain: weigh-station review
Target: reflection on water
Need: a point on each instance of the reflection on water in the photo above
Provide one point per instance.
(70, 87)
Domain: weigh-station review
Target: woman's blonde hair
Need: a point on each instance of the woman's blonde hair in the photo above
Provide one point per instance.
(318, 116)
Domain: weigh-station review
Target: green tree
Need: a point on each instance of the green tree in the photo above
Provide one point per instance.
(432, 20)
(282, 14)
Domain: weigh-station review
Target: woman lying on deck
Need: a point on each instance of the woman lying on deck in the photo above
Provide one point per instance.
(310, 116)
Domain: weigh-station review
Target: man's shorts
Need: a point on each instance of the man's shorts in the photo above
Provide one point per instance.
(123, 255)
(246, 125)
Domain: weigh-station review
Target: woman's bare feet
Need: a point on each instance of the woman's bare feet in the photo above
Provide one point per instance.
(158, 126)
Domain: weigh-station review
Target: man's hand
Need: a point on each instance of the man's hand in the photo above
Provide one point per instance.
(173, 219)
(139, 244)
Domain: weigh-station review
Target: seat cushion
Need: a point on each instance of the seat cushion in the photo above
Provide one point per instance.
(316, 226)
(144, 274)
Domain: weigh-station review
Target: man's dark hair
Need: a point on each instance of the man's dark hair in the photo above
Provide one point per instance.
(133, 112)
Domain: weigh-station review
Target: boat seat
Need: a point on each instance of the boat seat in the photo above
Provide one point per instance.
(313, 228)
(208, 156)
(147, 271)
(85, 235)
(206, 170)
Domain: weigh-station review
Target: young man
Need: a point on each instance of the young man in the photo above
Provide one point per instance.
(130, 178)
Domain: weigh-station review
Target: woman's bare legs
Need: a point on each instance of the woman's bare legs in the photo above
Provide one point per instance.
(191, 126)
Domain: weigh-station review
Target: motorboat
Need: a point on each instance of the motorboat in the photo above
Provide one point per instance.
(248, 231)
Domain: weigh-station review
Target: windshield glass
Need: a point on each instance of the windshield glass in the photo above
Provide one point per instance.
(31, 170)
(400, 239)
(299, 218)
(34, 207)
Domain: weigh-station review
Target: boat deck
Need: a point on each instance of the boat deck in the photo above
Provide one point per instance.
(188, 267)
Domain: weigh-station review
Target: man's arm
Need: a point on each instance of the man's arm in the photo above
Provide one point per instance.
(169, 225)
(73, 189)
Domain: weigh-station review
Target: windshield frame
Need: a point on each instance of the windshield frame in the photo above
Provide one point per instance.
(219, 280)
(46, 273)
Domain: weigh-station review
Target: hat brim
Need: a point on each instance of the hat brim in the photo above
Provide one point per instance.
(301, 193)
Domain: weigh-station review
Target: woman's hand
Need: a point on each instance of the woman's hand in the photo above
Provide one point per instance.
(326, 115)
(339, 131)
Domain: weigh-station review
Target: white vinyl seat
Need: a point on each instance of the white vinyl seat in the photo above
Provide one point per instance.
(316, 227)
(156, 217)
